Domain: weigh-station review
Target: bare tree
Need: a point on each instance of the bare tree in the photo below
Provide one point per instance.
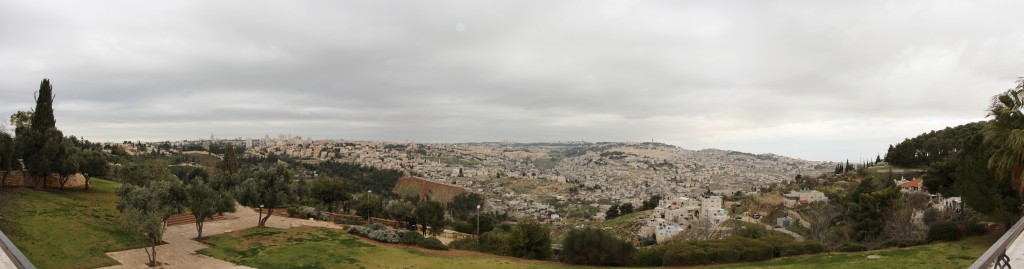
(822, 218)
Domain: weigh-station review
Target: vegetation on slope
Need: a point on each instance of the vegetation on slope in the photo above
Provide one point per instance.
(72, 228)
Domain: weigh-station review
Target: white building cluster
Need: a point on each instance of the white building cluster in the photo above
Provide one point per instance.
(675, 215)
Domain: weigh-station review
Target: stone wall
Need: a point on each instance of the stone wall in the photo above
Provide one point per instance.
(17, 179)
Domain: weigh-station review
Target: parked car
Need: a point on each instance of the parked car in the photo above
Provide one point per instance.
(756, 216)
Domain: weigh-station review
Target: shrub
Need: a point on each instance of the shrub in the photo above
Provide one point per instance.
(411, 238)
(591, 246)
(384, 235)
(358, 230)
(945, 231)
(690, 255)
(811, 247)
(852, 248)
(647, 257)
(464, 244)
(496, 242)
(377, 226)
(756, 250)
(293, 211)
(463, 227)
(433, 243)
(897, 243)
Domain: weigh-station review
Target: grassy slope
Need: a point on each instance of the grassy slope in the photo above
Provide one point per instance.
(958, 254)
(70, 228)
(307, 247)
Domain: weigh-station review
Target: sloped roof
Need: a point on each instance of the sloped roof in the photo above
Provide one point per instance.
(913, 183)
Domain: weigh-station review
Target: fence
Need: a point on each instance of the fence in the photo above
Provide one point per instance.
(12, 252)
(995, 256)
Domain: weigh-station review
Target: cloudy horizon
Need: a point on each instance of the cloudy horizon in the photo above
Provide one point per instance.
(814, 80)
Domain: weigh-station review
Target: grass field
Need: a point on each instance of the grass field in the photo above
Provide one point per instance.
(308, 247)
(69, 228)
(959, 254)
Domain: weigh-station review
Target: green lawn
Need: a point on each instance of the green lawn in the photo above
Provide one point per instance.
(70, 228)
(959, 254)
(308, 247)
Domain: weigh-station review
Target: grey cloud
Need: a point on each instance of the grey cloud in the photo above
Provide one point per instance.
(695, 73)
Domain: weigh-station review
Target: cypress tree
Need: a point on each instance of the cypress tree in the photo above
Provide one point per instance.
(230, 163)
(40, 141)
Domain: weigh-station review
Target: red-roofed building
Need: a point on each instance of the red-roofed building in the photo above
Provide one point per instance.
(915, 185)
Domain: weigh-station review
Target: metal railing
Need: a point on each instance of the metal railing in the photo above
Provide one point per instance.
(995, 256)
(20, 261)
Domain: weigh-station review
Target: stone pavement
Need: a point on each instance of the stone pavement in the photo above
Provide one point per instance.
(180, 250)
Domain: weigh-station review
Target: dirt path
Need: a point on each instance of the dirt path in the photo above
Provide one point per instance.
(180, 250)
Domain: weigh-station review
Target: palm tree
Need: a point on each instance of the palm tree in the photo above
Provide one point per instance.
(1007, 133)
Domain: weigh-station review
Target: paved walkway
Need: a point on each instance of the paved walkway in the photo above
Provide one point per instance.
(180, 250)
(1016, 251)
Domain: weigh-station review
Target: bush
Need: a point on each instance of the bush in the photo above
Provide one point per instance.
(944, 231)
(902, 243)
(377, 226)
(811, 247)
(592, 246)
(647, 257)
(690, 255)
(411, 238)
(463, 227)
(384, 235)
(852, 248)
(433, 243)
(975, 228)
(496, 242)
(358, 230)
(293, 211)
(469, 244)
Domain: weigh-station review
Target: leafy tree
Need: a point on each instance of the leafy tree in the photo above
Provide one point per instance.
(651, 203)
(993, 198)
(204, 202)
(399, 209)
(230, 163)
(93, 164)
(142, 175)
(592, 246)
(68, 161)
(464, 204)
(146, 209)
(1005, 133)
(267, 187)
(867, 204)
(331, 191)
(625, 208)
(371, 205)
(431, 213)
(531, 240)
(612, 212)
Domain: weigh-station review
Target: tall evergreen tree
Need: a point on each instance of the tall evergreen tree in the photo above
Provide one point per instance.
(230, 163)
(7, 157)
(41, 141)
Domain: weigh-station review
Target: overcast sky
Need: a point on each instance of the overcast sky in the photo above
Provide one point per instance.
(819, 80)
